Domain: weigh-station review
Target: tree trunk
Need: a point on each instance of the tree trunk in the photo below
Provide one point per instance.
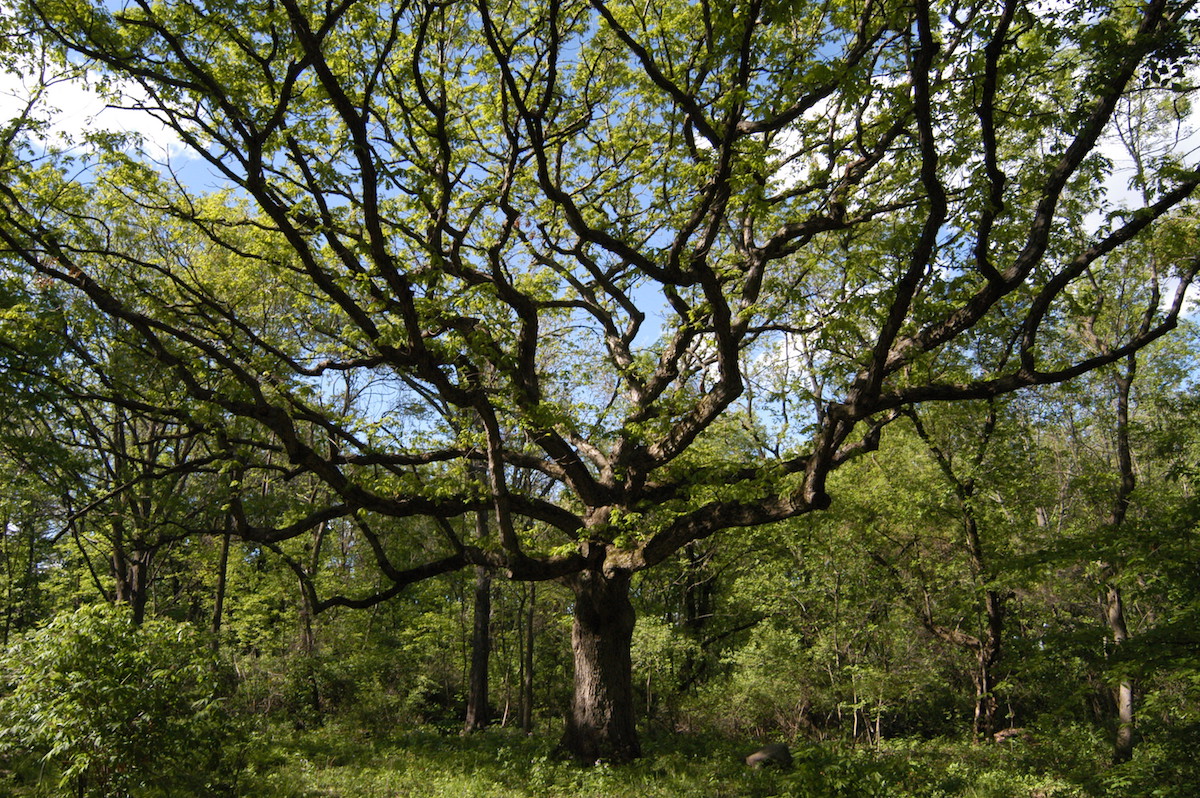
(219, 597)
(986, 705)
(308, 612)
(9, 580)
(987, 646)
(527, 665)
(1114, 603)
(130, 578)
(139, 578)
(699, 587)
(479, 714)
(1123, 745)
(478, 711)
(600, 725)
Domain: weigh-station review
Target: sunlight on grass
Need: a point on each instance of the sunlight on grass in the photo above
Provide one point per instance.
(498, 764)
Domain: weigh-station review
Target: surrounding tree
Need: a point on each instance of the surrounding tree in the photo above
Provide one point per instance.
(960, 445)
(613, 234)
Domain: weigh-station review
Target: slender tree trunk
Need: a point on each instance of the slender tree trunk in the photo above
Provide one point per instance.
(139, 579)
(9, 580)
(119, 563)
(986, 704)
(308, 639)
(29, 585)
(1114, 603)
(1123, 745)
(600, 725)
(699, 587)
(527, 665)
(308, 635)
(987, 645)
(131, 579)
(479, 713)
(130, 575)
(219, 598)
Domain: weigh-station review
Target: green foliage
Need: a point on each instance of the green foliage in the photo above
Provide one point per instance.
(499, 764)
(660, 654)
(1059, 762)
(1164, 764)
(113, 708)
(634, 279)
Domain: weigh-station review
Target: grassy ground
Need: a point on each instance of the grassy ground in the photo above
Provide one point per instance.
(498, 764)
(340, 762)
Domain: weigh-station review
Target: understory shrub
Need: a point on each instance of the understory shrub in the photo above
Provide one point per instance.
(105, 707)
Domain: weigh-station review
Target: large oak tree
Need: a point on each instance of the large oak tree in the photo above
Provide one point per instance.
(608, 234)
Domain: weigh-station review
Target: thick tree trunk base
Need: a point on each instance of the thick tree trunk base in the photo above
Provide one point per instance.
(600, 726)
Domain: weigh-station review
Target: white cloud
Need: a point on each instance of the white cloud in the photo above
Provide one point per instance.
(72, 109)
(793, 164)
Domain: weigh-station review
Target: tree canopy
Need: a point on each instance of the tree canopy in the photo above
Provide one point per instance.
(623, 276)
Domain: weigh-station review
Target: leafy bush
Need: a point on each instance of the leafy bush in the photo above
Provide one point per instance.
(1164, 765)
(113, 708)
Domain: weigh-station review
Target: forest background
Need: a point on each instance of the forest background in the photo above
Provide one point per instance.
(703, 374)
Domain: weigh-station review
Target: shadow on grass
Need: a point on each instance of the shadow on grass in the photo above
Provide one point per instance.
(336, 761)
(500, 763)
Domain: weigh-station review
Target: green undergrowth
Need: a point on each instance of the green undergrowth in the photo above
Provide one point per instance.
(425, 763)
(336, 761)
(504, 765)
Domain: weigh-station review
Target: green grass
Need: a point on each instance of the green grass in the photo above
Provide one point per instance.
(341, 762)
(499, 764)
(496, 763)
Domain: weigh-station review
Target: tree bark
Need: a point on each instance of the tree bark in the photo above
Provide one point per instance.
(1114, 609)
(600, 725)
(308, 610)
(139, 579)
(1123, 745)
(9, 580)
(219, 597)
(131, 578)
(527, 664)
(986, 705)
(699, 586)
(478, 711)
